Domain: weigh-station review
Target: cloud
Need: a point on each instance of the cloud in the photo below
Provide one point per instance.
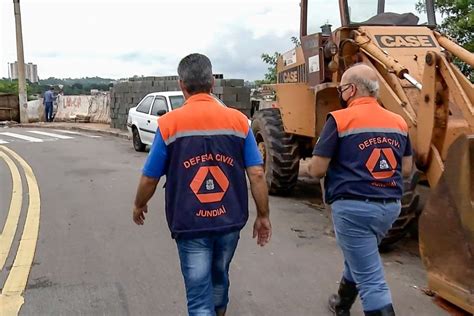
(123, 38)
(237, 52)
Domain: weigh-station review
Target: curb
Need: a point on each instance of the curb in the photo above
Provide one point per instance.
(118, 134)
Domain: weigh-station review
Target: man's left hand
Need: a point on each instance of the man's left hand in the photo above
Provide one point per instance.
(262, 229)
(139, 214)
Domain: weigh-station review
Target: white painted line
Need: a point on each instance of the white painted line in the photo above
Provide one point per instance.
(67, 132)
(3, 142)
(77, 133)
(23, 137)
(51, 135)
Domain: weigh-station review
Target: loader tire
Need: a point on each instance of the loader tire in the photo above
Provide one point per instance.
(408, 215)
(279, 151)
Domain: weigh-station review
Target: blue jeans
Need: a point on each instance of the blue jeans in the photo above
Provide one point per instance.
(359, 228)
(48, 111)
(205, 266)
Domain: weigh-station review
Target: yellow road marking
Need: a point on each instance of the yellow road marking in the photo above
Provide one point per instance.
(9, 230)
(11, 298)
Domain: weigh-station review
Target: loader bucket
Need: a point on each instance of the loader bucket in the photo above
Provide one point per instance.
(446, 228)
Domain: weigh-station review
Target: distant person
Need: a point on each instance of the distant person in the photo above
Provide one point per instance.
(48, 100)
(364, 152)
(205, 150)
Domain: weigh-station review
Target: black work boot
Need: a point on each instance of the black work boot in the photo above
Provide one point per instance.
(340, 304)
(386, 311)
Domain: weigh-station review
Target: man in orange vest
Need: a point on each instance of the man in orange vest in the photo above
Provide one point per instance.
(205, 150)
(363, 152)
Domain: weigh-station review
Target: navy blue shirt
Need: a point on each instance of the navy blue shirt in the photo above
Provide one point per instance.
(155, 166)
(203, 149)
(328, 141)
(366, 144)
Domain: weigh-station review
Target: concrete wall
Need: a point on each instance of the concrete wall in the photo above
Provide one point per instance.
(125, 95)
(35, 111)
(84, 108)
(76, 108)
(9, 107)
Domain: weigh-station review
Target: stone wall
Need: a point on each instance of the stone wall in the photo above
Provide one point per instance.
(125, 95)
(84, 108)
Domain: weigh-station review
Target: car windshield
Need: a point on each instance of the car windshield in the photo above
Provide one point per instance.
(176, 101)
(396, 12)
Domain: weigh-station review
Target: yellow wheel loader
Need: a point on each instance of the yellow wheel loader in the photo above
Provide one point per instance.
(419, 81)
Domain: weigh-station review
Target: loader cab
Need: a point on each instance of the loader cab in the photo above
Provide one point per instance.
(320, 44)
(354, 13)
(387, 13)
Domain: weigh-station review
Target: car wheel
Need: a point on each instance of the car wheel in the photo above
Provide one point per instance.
(137, 142)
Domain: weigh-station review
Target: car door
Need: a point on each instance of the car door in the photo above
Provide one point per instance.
(143, 120)
(159, 108)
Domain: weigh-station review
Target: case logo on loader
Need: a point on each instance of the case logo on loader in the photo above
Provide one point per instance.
(290, 76)
(405, 41)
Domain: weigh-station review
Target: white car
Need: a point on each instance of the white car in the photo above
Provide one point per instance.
(142, 121)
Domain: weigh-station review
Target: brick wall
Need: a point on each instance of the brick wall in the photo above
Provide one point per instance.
(125, 95)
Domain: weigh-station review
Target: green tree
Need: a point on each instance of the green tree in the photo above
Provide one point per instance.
(296, 41)
(7, 86)
(458, 23)
(11, 86)
(271, 60)
(77, 85)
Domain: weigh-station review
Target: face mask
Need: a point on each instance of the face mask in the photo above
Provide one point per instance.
(342, 102)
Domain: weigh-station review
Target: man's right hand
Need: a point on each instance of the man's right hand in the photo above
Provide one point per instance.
(262, 229)
(139, 214)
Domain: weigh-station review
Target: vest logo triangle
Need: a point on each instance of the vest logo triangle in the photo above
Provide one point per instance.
(209, 184)
(382, 163)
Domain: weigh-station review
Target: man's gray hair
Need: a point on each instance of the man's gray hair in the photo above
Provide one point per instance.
(365, 86)
(195, 71)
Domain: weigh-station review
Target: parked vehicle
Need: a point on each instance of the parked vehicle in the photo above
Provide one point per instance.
(142, 121)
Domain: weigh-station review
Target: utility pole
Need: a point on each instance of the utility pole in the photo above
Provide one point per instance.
(21, 64)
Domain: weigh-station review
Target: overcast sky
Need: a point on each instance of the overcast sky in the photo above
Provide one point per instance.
(122, 38)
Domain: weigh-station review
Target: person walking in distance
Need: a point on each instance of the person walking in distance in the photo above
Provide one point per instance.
(363, 152)
(48, 100)
(205, 150)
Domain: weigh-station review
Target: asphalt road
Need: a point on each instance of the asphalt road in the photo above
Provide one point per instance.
(91, 259)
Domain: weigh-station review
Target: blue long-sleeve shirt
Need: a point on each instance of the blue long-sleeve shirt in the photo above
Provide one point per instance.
(49, 96)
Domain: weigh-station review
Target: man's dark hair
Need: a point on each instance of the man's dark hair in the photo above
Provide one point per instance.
(195, 71)
(51, 88)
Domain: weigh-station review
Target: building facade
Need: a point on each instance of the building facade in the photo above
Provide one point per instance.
(31, 71)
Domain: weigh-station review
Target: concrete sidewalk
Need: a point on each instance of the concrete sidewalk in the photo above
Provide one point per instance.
(103, 129)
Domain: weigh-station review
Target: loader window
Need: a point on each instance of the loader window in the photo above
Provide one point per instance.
(406, 6)
(395, 12)
(322, 12)
(361, 10)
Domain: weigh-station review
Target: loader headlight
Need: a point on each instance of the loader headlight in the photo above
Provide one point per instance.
(330, 49)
